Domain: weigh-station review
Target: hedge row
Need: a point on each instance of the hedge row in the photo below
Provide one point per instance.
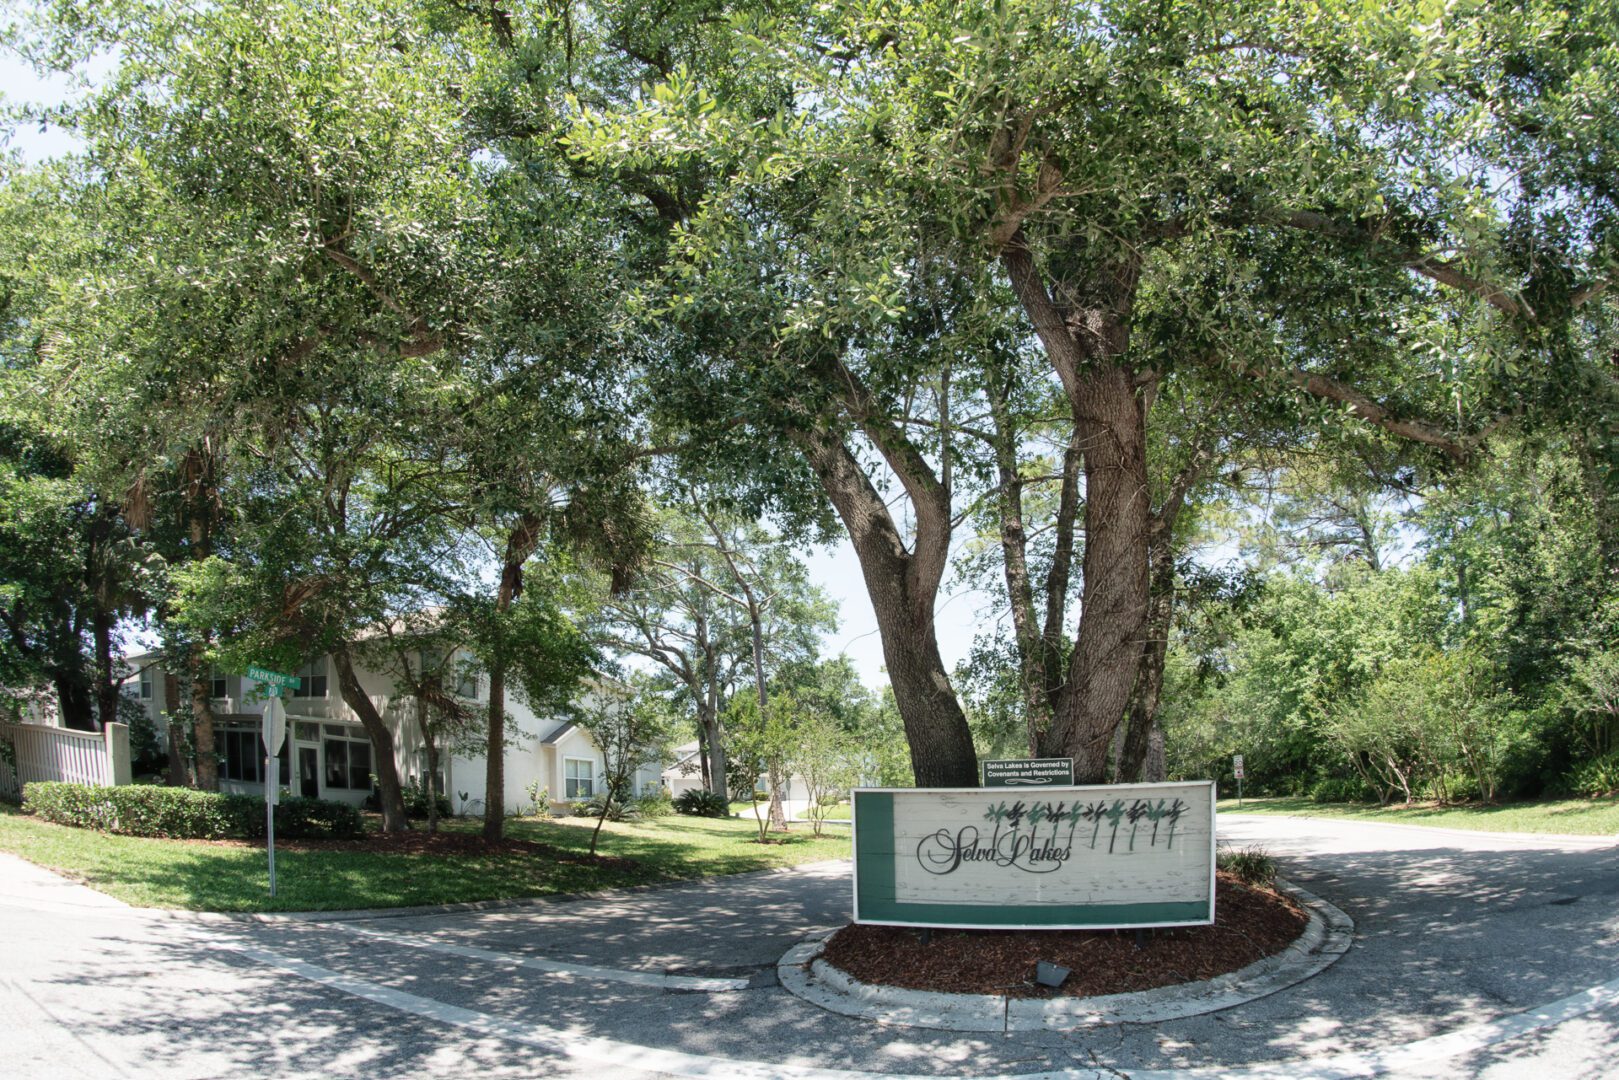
(184, 814)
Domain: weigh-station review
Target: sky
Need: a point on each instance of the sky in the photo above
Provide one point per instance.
(835, 569)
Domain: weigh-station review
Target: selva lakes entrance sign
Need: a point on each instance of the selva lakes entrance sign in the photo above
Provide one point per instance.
(1123, 855)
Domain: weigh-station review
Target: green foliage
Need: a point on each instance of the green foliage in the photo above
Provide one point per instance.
(700, 802)
(183, 813)
(632, 731)
(539, 799)
(1251, 866)
(602, 808)
(231, 877)
(399, 345)
(1336, 789)
(417, 796)
(763, 744)
(1596, 778)
(825, 756)
(297, 817)
(654, 804)
(145, 751)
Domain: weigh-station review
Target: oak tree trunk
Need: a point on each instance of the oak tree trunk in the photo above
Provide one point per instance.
(494, 774)
(520, 544)
(1107, 650)
(106, 678)
(73, 702)
(1136, 760)
(180, 771)
(390, 793)
(903, 586)
(713, 751)
(430, 751)
(202, 721)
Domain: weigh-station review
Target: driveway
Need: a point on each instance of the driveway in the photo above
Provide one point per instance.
(1475, 955)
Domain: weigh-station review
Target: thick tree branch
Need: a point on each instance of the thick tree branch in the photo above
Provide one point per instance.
(1358, 404)
(1443, 271)
(930, 498)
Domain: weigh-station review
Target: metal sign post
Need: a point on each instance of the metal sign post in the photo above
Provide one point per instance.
(273, 732)
(1236, 767)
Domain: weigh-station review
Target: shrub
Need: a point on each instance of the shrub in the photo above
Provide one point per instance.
(539, 798)
(616, 811)
(297, 817)
(184, 814)
(700, 802)
(1251, 866)
(415, 793)
(655, 804)
(1338, 789)
(1596, 777)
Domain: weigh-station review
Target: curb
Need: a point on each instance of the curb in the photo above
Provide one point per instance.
(1324, 940)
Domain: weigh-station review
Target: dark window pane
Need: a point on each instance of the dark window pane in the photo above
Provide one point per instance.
(360, 766)
(242, 756)
(337, 763)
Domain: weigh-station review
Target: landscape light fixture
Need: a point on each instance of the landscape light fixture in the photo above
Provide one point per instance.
(1052, 975)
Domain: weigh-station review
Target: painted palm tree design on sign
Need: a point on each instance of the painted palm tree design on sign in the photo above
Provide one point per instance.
(1114, 815)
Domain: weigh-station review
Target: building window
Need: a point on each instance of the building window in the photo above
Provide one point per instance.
(458, 671)
(578, 778)
(312, 680)
(244, 756)
(216, 685)
(348, 762)
(466, 684)
(146, 684)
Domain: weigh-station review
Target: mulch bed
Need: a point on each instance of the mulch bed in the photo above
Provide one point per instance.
(1250, 924)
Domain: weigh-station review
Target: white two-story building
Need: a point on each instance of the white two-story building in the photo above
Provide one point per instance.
(327, 754)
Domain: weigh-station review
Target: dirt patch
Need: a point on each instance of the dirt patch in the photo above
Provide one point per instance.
(1250, 924)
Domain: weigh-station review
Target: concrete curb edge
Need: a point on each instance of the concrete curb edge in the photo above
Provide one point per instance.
(1325, 939)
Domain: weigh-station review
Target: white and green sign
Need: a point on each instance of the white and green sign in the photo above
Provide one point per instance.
(1124, 855)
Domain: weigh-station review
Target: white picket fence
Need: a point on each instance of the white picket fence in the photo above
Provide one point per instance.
(52, 753)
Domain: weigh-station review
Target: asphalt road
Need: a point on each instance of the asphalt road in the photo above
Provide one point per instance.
(1475, 955)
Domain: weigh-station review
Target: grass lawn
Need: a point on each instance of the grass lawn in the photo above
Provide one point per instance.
(1587, 817)
(230, 876)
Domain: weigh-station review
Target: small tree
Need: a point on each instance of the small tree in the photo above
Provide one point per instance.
(824, 758)
(630, 732)
(762, 744)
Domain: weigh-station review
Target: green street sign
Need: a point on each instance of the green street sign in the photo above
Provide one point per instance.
(276, 680)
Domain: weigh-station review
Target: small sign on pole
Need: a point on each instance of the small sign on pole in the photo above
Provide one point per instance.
(1029, 772)
(1236, 768)
(274, 732)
